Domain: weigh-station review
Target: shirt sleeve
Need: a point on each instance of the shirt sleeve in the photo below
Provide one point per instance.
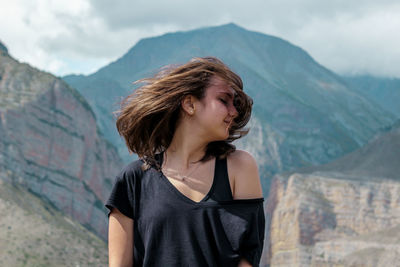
(125, 192)
(253, 241)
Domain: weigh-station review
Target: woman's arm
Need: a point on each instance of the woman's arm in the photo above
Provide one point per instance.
(244, 263)
(120, 240)
(243, 167)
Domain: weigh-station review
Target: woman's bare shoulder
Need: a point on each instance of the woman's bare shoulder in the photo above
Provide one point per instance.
(243, 167)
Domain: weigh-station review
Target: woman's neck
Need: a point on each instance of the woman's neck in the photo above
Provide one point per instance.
(186, 148)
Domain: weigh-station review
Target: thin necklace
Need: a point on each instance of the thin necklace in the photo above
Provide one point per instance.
(176, 173)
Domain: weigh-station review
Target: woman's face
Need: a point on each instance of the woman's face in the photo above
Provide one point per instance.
(215, 111)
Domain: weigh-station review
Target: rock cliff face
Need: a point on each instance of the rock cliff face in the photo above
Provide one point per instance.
(50, 144)
(338, 215)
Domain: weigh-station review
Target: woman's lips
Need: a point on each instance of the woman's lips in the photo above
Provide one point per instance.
(228, 123)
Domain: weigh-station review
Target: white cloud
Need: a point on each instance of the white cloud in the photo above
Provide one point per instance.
(25, 24)
(366, 43)
(80, 36)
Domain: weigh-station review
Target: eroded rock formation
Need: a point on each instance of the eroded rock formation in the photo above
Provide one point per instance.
(50, 143)
(346, 213)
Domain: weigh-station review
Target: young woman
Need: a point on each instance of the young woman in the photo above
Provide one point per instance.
(191, 199)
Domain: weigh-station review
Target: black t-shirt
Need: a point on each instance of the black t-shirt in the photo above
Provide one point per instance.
(170, 229)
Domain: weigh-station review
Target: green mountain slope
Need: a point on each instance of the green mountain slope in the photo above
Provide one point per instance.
(34, 233)
(383, 91)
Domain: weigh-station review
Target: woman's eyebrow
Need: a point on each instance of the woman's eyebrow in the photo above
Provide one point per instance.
(229, 94)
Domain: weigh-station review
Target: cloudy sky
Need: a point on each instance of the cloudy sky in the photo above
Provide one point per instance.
(80, 36)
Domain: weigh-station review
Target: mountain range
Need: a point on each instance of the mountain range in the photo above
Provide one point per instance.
(383, 91)
(304, 114)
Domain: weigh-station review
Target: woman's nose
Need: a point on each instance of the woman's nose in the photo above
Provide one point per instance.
(233, 112)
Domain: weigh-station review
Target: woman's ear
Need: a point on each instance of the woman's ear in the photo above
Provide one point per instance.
(188, 105)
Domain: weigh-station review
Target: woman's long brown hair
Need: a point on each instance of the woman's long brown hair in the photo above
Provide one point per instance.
(148, 117)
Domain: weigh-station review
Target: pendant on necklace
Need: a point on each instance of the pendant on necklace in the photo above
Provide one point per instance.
(183, 178)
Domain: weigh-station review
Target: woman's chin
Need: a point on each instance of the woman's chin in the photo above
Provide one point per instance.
(226, 135)
(222, 135)
(221, 138)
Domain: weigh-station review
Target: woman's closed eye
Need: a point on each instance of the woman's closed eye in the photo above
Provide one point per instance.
(223, 101)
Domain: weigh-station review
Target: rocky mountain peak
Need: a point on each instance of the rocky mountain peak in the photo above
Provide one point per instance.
(227, 26)
(3, 48)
